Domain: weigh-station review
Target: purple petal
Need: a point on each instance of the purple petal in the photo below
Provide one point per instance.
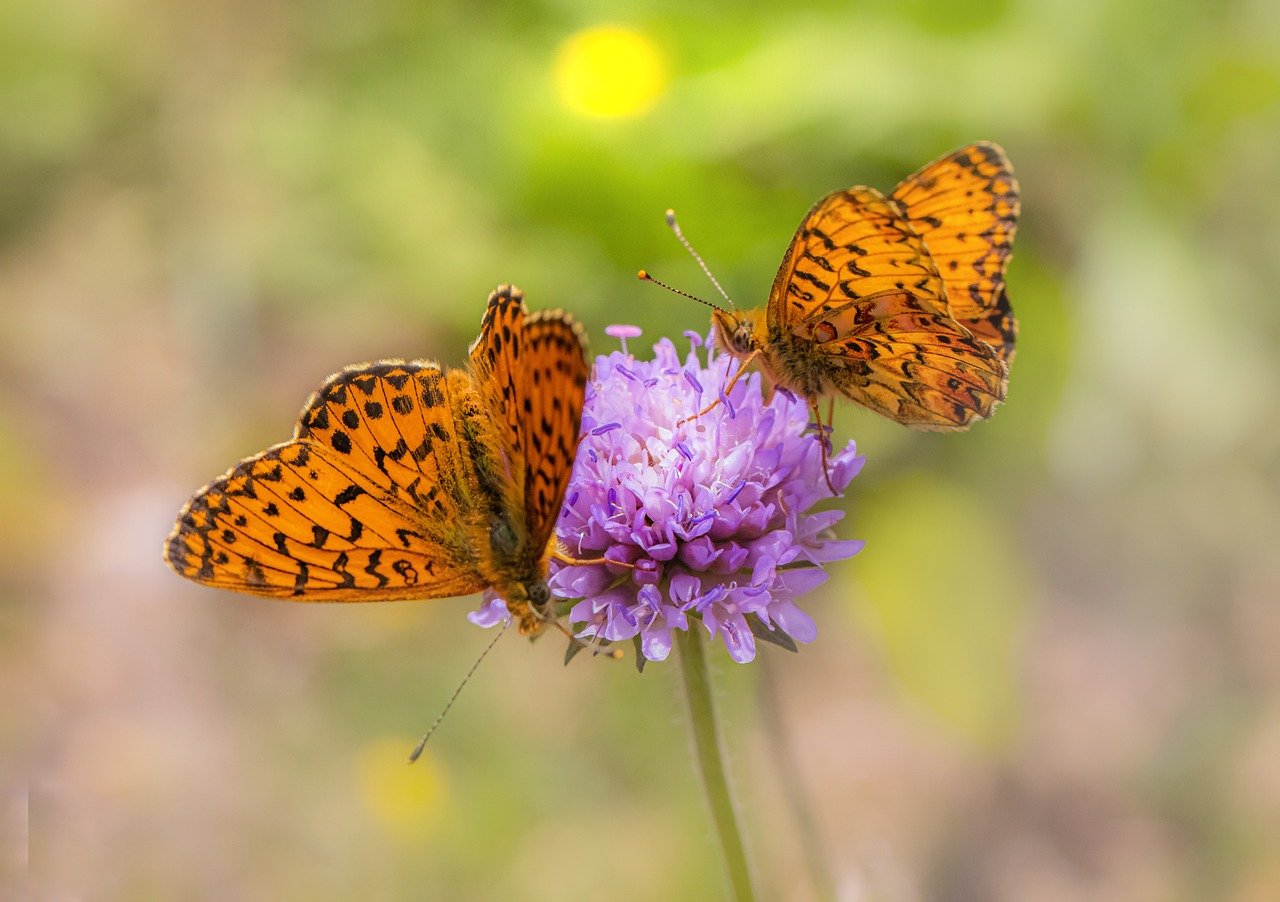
(802, 579)
(685, 587)
(738, 639)
(699, 554)
(649, 597)
(655, 640)
(836, 550)
(492, 612)
(793, 621)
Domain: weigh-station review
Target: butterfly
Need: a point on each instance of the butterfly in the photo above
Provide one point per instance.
(407, 480)
(897, 303)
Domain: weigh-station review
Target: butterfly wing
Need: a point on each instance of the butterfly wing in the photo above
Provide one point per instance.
(533, 371)
(919, 368)
(496, 364)
(965, 206)
(370, 501)
(863, 311)
(852, 245)
(551, 395)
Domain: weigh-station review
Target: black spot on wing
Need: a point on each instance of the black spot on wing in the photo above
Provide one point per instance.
(347, 495)
(372, 569)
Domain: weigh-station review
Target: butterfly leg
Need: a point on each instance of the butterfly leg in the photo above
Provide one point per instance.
(733, 380)
(558, 555)
(824, 442)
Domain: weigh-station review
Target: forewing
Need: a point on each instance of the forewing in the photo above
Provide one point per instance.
(369, 502)
(550, 396)
(853, 245)
(965, 206)
(393, 422)
(496, 363)
(533, 371)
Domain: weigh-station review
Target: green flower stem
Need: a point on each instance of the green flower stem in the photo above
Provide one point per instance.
(708, 754)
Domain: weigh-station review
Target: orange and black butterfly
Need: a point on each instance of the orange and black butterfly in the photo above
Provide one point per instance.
(898, 302)
(405, 480)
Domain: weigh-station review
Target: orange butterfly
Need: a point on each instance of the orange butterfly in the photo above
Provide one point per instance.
(897, 303)
(404, 480)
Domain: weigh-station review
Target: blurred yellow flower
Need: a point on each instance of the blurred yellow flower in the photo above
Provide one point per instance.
(609, 72)
(408, 800)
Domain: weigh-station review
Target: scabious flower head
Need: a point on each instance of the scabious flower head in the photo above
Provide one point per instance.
(715, 512)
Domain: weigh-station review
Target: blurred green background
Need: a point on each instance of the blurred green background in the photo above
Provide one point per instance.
(1053, 672)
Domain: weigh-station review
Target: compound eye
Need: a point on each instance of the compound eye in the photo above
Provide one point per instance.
(742, 338)
(539, 595)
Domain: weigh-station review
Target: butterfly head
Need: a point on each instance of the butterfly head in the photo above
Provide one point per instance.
(737, 332)
(530, 603)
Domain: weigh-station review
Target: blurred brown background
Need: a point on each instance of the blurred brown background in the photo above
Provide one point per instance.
(1053, 672)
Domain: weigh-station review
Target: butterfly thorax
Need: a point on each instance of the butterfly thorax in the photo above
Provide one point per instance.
(792, 362)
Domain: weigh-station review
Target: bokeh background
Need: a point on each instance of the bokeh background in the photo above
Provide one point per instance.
(1053, 672)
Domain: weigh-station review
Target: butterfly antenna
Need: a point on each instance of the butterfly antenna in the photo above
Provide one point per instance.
(675, 228)
(643, 275)
(422, 743)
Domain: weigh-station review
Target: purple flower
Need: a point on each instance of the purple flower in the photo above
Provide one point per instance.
(715, 511)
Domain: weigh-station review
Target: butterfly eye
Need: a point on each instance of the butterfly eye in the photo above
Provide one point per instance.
(539, 594)
(743, 342)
